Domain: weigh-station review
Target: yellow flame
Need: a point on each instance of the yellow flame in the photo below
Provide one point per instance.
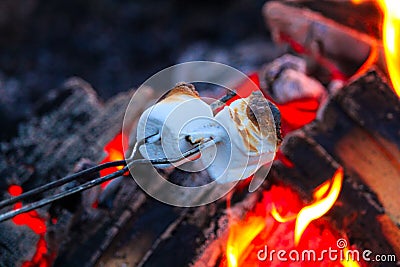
(232, 256)
(279, 218)
(348, 262)
(240, 236)
(391, 38)
(115, 154)
(321, 190)
(319, 207)
(323, 201)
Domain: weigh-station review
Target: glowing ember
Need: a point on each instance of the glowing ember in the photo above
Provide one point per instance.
(297, 113)
(294, 114)
(282, 158)
(38, 225)
(40, 258)
(115, 151)
(335, 73)
(273, 224)
(30, 219)
(14, 190)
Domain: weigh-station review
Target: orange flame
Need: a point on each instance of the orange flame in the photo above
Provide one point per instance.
(31, 218)
(115, 151)
(279, 218)
(324, 198)
(321, 190)
(320, 207)
(240, 236)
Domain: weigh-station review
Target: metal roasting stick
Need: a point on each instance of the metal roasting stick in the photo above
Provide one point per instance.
(85, 173)
(60, 182)
(52, 198)
(220, 102)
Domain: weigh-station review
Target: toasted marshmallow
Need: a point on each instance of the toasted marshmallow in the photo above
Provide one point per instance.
(168, 121)
(250, 139)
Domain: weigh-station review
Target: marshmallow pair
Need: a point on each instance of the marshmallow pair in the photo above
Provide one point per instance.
(244, 135)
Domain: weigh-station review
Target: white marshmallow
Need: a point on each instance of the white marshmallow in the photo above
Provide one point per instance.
(251, 142)
(168, 118)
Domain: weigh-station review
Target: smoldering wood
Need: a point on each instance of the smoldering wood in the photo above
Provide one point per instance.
(211, 253)
(360, 128)
(371, 102)
(285, 79)
(159, 227)
(196, 228)
(322, 37)
(364, 17)
(18, 247)
(190, 229)
(74, 104)
(99, 224)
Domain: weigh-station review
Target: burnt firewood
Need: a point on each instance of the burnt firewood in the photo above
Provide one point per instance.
(95, 223)
(364, 16)
(29, 159)
(323, 41)
(371, 102)
(17, 244)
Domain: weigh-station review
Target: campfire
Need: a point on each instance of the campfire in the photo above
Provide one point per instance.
(330, 108)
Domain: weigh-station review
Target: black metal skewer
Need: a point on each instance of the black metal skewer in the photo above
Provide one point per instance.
(49, 199)
(60, 182)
